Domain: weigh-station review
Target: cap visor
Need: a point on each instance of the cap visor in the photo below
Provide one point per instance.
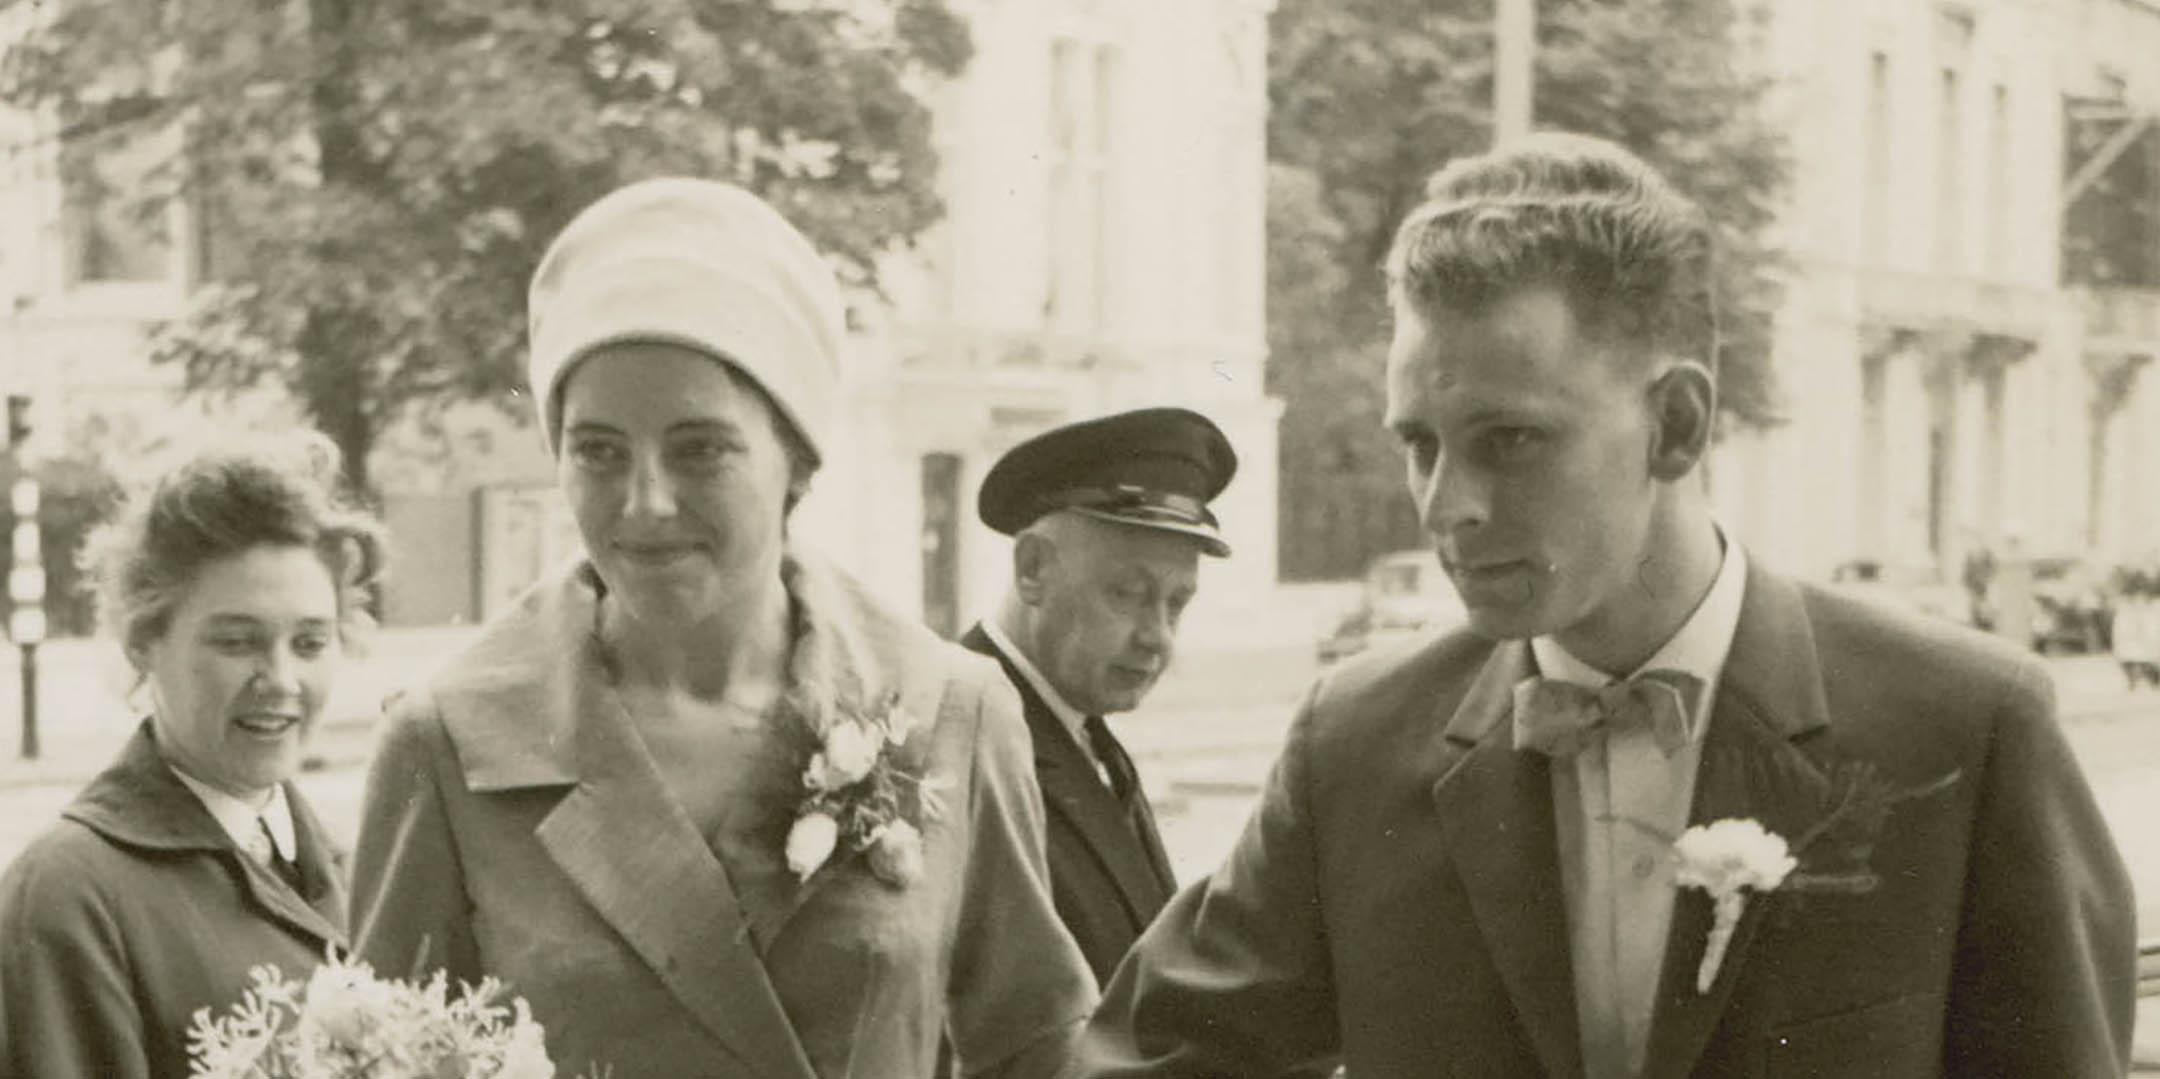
(1211, 541)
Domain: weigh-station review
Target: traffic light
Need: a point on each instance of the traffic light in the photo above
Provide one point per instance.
(18, 420)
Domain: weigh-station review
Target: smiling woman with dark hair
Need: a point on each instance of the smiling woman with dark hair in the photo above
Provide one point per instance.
(233, 586)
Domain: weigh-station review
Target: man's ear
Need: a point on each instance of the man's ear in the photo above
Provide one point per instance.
(1033, 559)
(137, 653)
(1683, 413)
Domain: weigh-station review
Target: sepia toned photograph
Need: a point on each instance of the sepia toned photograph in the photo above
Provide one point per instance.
(1080, 539)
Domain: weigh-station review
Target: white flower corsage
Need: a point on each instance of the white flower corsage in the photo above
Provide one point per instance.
(857, 797)
(1728, 858)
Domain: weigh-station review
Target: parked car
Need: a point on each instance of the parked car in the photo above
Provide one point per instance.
(2077, 611)
(1403, 594)
(1915, 588)
(2072, 607)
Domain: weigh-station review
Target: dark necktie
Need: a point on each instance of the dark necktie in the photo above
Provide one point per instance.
(1560, 718)
(1124, 780)
(286, 869)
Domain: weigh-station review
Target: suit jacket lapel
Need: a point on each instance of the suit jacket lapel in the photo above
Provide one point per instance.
(1072, 790)
(1151, 844)
(1496, 812)
(1770, 704)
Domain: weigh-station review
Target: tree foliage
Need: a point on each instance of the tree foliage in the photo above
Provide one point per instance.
(1368, 98)
(375, 179)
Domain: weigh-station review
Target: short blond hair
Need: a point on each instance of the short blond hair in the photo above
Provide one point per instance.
(1632, 255)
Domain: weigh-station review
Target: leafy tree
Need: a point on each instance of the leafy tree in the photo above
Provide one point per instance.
(1368, 98)
(375, 179)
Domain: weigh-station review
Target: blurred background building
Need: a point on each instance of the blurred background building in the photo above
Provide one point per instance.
(1974, 235)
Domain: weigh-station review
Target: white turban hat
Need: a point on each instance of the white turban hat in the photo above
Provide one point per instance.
(697, 263)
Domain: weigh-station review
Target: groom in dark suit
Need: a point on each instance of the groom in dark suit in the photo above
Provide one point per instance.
(1475, 857)
(1109, 518)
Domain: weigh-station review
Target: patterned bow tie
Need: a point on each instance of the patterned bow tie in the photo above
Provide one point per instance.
(1559, 718)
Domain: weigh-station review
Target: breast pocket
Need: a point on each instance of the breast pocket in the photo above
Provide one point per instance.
(1893, 1039)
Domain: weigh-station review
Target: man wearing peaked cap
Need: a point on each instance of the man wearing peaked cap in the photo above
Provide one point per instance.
(1109, 517)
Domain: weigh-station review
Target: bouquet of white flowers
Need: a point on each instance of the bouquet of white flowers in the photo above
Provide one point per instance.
(345, 1023)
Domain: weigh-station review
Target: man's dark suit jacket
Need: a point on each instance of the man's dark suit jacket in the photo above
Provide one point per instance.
(1396, 897)
(1108, 873)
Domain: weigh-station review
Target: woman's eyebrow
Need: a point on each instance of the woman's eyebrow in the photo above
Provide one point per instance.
(705, 423)
(593, 427)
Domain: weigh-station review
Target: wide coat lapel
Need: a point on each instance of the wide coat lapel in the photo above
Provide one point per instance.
(1496, 811)
(1770, 705)
(532, 718)
(1073, 792)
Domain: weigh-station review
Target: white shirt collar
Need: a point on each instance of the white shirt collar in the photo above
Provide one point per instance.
(1073, 719)
(1699, 647)
(238, 818)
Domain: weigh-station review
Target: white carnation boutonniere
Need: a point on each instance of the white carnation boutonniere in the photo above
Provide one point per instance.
(1836, 812)
(857, 798)
(1728, 859)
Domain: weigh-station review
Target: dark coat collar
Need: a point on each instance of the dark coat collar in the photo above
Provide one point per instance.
(139, 802)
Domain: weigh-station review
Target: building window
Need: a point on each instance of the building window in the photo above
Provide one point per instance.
(1950, 173)
(1224, 212)
(1875, 163)
(1874, 455)
(115, 228)
(1953, 43)
(1997, 178)
(1083, 76)
(1234, 191)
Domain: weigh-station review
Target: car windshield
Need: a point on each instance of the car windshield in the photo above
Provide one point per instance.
(1397, 580)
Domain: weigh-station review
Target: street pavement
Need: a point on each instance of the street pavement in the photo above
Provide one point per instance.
(1203, 744)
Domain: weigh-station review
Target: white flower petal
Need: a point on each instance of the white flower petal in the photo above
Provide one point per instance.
(810, 842)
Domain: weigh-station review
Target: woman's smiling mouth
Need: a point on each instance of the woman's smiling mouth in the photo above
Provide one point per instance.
(266, 724)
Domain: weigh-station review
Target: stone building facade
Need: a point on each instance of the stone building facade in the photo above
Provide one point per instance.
(1951, 383)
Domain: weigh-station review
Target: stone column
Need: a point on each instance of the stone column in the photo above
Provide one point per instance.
(2114, 382)
(1989, 360)
(1944, 355)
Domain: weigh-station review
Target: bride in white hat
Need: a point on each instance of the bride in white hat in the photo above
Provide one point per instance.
(706, 805)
